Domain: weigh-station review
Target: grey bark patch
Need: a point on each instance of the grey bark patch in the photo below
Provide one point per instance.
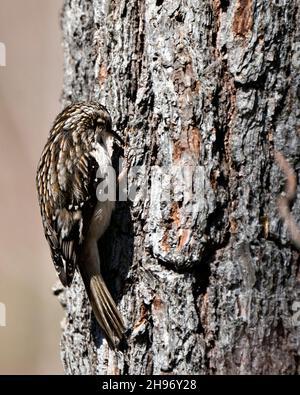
(206, 285)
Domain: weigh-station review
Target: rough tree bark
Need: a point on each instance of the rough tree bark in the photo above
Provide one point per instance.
(207, 281)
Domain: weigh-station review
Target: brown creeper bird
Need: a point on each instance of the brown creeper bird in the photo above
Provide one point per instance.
(79, 143)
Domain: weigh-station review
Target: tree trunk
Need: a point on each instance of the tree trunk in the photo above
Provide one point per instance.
(200, 263)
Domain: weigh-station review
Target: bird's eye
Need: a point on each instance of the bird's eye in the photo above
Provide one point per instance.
(100, 122)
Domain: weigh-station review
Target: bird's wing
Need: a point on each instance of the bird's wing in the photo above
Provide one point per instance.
(67, 192)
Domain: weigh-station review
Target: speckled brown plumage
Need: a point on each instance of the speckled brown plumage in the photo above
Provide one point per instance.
(66, 184)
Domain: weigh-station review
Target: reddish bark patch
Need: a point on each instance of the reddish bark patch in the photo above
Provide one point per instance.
(228, 95)
(157, 303)
(233, 226)
(243, 18)
(164, 242)
(194, 141)
(214, 175)
(116, 371)
(175, 214)
(178, 150)
(190, 144)
(102, 74)
(183, 238)
(143, 316)
(174, 219)
(196, 86)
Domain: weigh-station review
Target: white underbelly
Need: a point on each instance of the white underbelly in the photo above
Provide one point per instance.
(103, 210)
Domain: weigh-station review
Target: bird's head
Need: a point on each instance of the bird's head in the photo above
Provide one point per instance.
(87, 116)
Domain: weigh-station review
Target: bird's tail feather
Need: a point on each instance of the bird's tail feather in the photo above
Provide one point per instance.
(104, 308)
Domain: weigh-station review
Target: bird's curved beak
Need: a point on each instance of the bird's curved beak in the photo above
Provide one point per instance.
(116, 136)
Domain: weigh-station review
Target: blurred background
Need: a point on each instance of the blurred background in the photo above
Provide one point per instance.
(30, 87)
